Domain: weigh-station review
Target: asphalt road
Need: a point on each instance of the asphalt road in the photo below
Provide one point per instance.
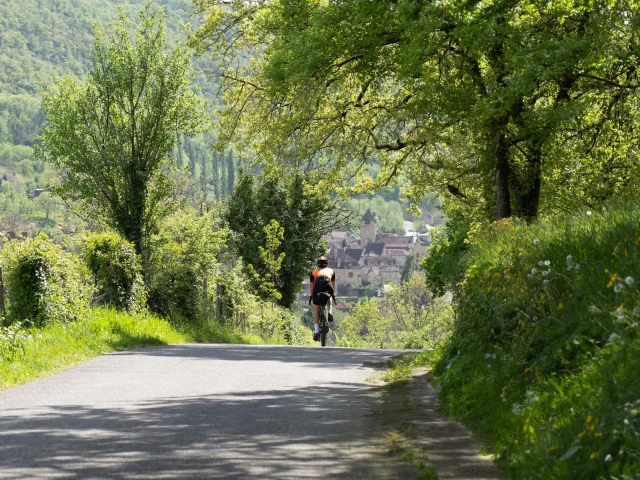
(200, 411)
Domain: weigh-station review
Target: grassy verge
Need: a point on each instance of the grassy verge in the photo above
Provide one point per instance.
(396, 411)
(543, 364)
(29, 353)
(401, 366)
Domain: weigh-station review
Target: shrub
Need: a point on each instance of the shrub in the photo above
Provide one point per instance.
(544, 358)
(117, 271)
(182, 265)
(241, 308)
(445, 264)
(45, 284)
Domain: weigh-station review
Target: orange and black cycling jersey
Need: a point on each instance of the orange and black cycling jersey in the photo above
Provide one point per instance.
(325, 272)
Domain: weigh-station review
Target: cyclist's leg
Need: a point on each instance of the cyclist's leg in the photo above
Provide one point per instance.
(316, 320)
(330, 310)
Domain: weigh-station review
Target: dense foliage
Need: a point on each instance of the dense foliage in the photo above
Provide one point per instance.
(408, 317)
(544, 358)
(42, 41)
(304, 217)
(117, 271)
(114, 134)
(500, 105)
(445, 264)
(45, 284)
(183, 263)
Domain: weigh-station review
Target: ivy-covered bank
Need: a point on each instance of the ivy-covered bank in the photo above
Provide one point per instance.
(543, 364)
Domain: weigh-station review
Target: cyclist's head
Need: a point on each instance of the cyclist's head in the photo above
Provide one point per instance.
(322, 262)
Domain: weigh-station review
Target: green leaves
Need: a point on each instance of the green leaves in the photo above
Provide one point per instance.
(117, 271)
(45, 283)
(271, 258)
(114, 135)
(480, 101)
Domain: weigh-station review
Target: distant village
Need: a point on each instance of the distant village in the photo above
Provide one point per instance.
(371, 258)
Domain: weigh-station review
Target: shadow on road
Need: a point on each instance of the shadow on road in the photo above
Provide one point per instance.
(270, 434)
(215, 411)
(318, 356)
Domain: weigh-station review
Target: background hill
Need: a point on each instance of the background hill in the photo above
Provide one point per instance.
(44, 40)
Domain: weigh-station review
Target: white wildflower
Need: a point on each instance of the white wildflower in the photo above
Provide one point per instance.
(547, 262)
(620, 314)
(613, 337)
(534, 271)
(589, 213)
(516, 409)
(569, 259)
(536, 241)
(629, 280)
(541, 263)
(617, 287)
(608, 458)
(577, 267)
(545, 273)
(546, 282)
(493, 356)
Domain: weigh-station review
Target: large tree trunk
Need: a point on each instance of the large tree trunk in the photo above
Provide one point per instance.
(132, 224)
(503, 200)
(525, 186)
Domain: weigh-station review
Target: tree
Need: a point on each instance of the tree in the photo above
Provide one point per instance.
(407, 270)
(257, 202)
(481, 100)
(115, 133)
(272, 258)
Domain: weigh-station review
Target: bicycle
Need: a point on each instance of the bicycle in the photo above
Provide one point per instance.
(323, 324)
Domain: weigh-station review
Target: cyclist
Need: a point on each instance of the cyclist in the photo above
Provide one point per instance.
(322, 286)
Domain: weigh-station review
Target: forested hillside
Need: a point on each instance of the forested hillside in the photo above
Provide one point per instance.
(42, 41)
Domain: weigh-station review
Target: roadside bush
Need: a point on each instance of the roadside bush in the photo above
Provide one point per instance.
(45, 284)
(117, 271)
(543, 363)
(408, 317)
(242, 309)
(183, 262)
(446, 262)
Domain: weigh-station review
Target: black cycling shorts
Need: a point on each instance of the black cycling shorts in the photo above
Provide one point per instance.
(322, 290)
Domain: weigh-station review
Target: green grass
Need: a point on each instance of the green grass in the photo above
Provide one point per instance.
(543, 364)
(29, 353)
(401, 366)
